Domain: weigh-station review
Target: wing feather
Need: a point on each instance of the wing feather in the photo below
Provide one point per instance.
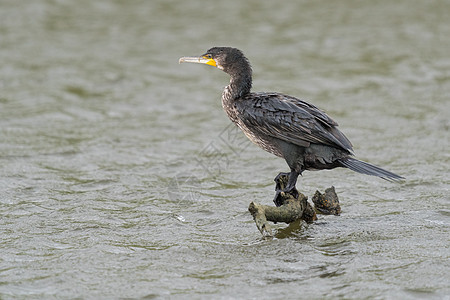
(290, 119)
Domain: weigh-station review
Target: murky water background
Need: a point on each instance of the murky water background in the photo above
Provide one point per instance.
(121, 177)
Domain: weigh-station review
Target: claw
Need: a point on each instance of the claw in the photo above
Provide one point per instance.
(282, 195)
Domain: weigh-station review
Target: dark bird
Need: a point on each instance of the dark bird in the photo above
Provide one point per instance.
(306, 137)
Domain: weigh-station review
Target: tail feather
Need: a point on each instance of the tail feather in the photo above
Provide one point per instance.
(368, 169)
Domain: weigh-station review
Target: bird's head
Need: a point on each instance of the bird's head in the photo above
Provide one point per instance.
(225, 58)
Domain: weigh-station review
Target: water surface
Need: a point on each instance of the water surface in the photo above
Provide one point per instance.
(121, 176)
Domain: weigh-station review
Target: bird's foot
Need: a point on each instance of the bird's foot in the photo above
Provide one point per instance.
(283, 190)
(281, 181)
(282, 195)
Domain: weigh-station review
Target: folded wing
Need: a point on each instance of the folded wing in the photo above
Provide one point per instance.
(290, 119)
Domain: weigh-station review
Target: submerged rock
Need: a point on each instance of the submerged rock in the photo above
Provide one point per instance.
(327, 203)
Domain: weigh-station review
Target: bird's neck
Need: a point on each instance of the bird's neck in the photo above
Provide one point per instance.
(240, 85)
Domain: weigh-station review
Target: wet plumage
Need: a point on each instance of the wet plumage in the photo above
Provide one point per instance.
(305, 136)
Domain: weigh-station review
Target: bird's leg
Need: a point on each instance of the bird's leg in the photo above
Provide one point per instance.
(285, 182)
(291, 182)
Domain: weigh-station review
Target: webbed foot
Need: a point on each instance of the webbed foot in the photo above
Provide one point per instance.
(283, 190)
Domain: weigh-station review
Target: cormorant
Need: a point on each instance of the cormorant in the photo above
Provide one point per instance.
(306, 137)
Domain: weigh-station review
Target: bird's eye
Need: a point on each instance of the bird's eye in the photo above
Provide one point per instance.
(207, 56)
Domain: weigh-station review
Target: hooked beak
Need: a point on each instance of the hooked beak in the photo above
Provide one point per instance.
(198, 60)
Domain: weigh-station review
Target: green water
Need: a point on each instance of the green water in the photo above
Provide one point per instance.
(121, 177)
